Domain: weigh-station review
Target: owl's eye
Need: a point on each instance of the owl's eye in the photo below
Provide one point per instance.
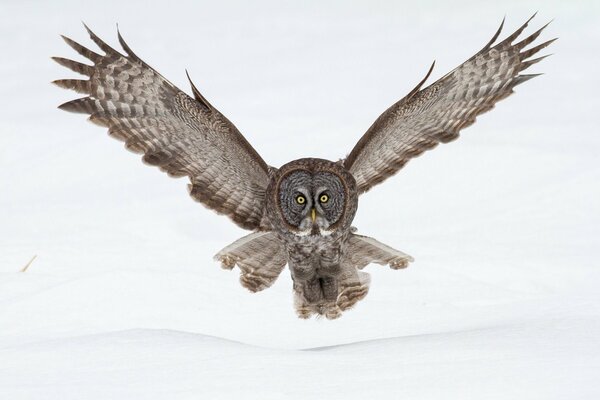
(324, 198)
(300, 199)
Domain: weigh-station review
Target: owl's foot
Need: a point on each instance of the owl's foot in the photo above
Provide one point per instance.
(329, 311)
(305, 309)
(304, 313)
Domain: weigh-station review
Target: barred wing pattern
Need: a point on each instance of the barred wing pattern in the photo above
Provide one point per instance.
(437, 113)
(364, 250)
(180, 135)
(260, 256)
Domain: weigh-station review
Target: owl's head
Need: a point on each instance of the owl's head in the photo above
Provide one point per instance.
(311, 196)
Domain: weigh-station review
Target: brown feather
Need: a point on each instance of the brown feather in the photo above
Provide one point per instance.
(439, 112)
(180, 135)
(260, 256)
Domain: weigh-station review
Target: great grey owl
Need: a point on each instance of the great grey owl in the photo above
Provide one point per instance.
(301, 213)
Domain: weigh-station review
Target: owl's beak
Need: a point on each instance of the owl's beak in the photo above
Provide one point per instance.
(313, 214)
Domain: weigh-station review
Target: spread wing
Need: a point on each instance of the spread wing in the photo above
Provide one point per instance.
(181, 135)
(437, 113)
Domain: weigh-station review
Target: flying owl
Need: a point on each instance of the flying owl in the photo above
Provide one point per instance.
(301, 213)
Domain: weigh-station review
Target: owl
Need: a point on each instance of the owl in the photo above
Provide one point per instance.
(300, 214)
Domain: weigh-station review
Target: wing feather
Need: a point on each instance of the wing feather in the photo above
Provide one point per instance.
(436, 114)
(180, 135)
(260, 256)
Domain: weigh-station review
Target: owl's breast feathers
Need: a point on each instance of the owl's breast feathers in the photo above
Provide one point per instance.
(315, 254)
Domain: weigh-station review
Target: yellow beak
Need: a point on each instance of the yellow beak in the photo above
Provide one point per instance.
(313, 214)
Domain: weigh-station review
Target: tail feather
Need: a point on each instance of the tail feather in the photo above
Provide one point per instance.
(260, 257)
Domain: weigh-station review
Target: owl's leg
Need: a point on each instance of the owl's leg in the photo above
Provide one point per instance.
(307, 294)
(260, 257)
(304, 309)
(330, 288)
(328, 296)
(316, 296)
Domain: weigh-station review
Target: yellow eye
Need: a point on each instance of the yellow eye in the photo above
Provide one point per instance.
(300, 199)
(324, 198)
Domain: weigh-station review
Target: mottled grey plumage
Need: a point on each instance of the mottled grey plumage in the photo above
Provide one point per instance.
(424, 118)
(260, 256)
(301, 213)
(180, 135)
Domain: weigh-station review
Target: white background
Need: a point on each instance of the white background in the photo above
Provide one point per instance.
(124, 301)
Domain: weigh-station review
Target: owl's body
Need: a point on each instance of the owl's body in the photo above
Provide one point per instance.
(316, 265)
(300, 214)
(320, 247)
(315, 236)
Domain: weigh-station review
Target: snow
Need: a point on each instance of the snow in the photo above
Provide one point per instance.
(124, 301)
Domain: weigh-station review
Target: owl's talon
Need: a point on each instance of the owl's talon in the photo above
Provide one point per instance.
(304, 313)
(303, 310)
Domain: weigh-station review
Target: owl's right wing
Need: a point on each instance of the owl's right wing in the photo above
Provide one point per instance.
(180, 135)
(436, 114)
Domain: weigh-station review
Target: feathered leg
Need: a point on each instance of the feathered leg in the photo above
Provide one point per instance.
(332, 295)
(260, 257)
(329, 296)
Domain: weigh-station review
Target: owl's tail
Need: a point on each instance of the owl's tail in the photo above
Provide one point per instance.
(352, 284)
(260, 257)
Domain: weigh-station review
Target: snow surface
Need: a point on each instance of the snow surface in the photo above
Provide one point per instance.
(124, 301)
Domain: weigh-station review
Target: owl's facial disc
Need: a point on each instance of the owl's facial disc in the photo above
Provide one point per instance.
(311, 202)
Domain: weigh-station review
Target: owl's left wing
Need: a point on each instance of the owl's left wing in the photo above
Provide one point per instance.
(424, 118)
(180, 135)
